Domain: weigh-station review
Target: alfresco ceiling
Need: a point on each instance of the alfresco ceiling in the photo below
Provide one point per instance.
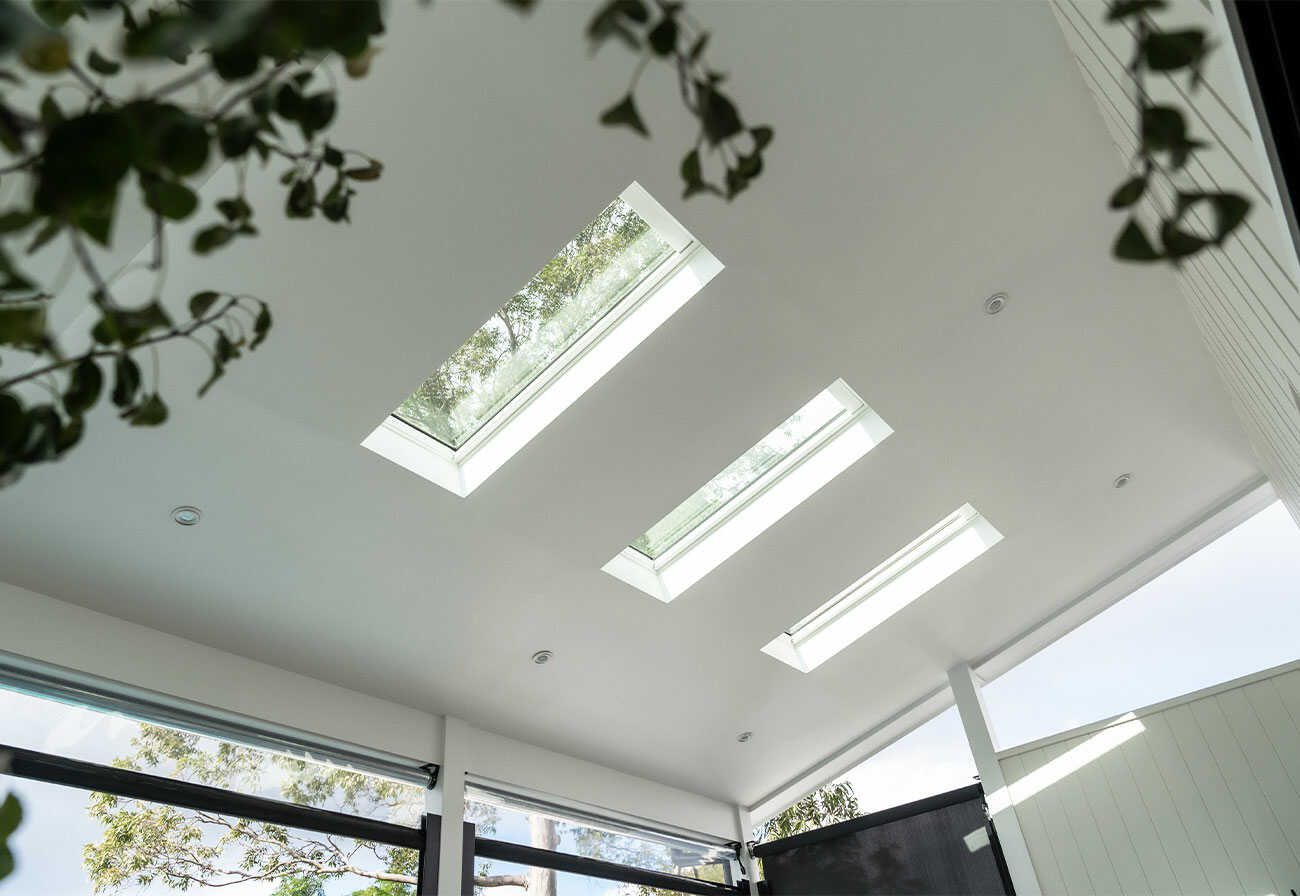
(863, 252)
(603, 293)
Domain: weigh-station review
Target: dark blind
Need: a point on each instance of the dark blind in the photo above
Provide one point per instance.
(940, 845)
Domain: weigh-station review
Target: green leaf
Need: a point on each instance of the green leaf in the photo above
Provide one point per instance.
(129, 325)
(238, 60)
(1230, 210)
(13, 424)
(1163, 127)
(663, 37)
(370, 172)
(42, 441)
(717, 113)
(235, 135)
(83, 161)
(11, 815)
(84, 386)
(1133, 245)
(261, 326)
(213, 237)
(1166, 51)
(624, 112)
(22, 326)
(16, 221)
(235, 209)
(151, 412)
(51, 114)
(288, 102)
(301, 201)
(332, 156)
(170, 198)
(316, 113)
(126, 380)
(102, 66)
(69, 435)
(692, 173)
(183, 145)
(1129, 192)
(1122, 9)
(48, 55)
(58, 12)
(1178, 243)
(762, 136)
(200, 302)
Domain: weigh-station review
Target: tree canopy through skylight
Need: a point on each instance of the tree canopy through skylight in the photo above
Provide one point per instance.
(577, 287)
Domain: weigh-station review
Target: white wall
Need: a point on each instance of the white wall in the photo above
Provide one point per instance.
(1195, 795)
(1244, 298)
(52, 631)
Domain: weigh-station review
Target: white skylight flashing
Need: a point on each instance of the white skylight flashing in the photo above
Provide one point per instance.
(849, 435)
(954, 542)
(615, 334)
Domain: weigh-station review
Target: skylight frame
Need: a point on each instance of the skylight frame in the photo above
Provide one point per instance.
(793, 645)
(660, 294)
(791, 481)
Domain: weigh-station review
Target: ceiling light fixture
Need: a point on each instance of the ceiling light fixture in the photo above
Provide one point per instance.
(542, 657)
(995, 303)
(1123, 479)
(948, 546)
(744, 737)
(186, 515)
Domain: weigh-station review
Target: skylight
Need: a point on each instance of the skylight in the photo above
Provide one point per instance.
(951, 544)
(789, 464)
(606, 289)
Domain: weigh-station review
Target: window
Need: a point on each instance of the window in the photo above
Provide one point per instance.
(789, 464)
(1226, 611)
(608, 288)
(78, 843)
(499, 815)
(947, 547)
(75, 842)
(80, 732)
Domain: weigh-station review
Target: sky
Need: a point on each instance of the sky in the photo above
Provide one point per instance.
(1229, 610)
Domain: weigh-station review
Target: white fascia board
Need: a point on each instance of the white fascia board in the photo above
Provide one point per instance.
(784, 487)
(677, 279)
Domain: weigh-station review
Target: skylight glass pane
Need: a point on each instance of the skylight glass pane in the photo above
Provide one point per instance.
(577, 287)
(743, 472)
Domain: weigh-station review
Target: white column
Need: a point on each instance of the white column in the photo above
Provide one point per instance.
(745, 830)
(966, 690)
(450, 798)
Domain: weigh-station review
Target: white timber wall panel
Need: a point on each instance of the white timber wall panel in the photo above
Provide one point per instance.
(1243, 298)
(1196, 795)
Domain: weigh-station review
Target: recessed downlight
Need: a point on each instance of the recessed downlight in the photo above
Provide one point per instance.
(186, 515)
(1123, 479)
(542, 657)
(995, 303)
(745, 737)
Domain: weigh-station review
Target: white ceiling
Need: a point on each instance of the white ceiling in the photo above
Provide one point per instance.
(926, 156)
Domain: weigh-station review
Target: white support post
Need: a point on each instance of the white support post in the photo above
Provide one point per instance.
(450, 799)
(745, 830)
(966, 690)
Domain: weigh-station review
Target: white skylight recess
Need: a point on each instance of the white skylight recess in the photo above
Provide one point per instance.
(954, 542)
(789, 464)
(605, 291)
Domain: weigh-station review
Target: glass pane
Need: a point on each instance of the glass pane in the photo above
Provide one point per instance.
(75, 843)
(493, 878)
(548, 831)
(1228, 610)
(78, 732)
(584, 280)
(743, 472)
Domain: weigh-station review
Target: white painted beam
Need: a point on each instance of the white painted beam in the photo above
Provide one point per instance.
(451, 803)
(966, 691)
(745, 830)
